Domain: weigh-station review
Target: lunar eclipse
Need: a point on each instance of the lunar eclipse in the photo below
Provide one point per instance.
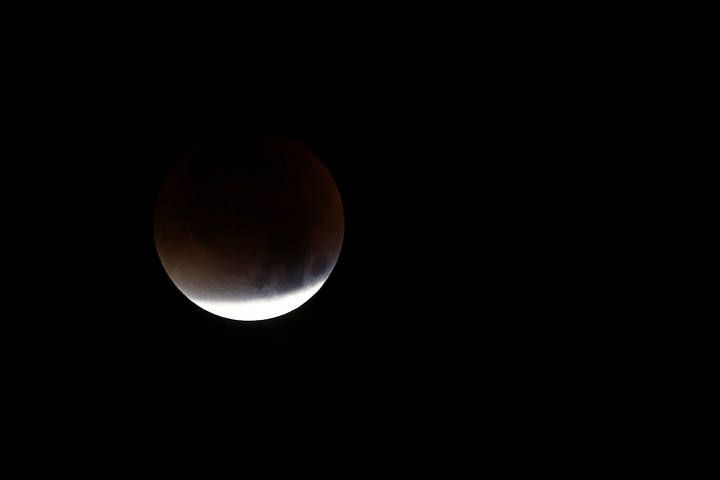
(249, 230)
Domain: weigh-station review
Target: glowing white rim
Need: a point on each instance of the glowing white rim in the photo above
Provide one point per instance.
(259, 308)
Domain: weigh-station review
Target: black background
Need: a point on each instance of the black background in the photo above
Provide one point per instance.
(501, 303)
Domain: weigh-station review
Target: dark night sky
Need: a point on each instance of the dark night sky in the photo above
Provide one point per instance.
(501, 303)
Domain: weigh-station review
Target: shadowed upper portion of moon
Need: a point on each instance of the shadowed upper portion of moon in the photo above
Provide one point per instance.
(249, 226)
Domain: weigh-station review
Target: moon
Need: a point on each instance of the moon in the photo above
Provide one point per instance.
(249, 230)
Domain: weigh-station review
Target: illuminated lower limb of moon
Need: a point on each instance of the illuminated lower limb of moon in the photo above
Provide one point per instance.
(259, 308)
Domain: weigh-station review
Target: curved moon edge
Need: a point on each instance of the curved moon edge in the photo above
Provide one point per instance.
(259, 308)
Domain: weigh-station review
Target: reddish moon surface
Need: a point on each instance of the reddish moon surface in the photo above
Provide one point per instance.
(250, 230)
